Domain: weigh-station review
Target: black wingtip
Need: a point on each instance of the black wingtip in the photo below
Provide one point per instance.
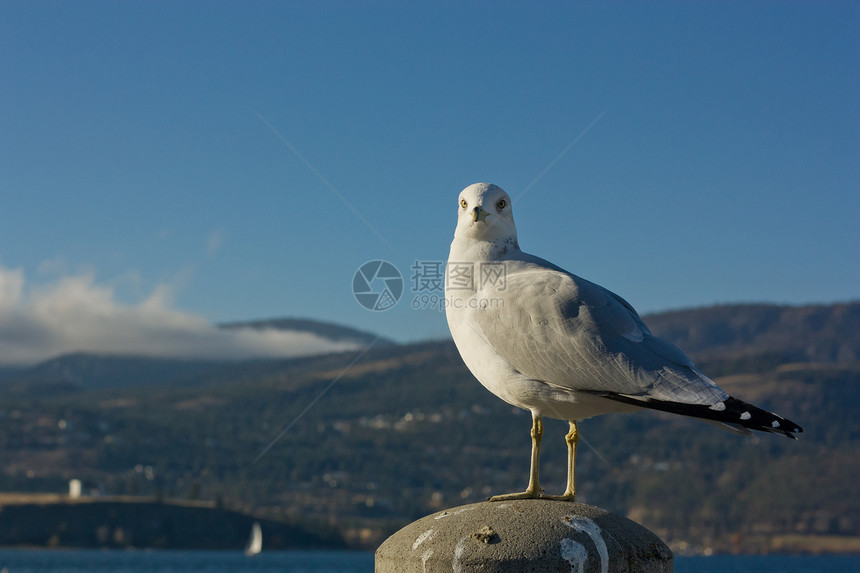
(732, 412)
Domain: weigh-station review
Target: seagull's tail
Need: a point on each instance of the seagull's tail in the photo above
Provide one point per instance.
(734, 413)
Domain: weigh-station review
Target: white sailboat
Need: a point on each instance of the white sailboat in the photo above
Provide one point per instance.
(255, 543)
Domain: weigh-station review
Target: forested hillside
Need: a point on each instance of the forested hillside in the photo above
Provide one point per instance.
(406, 430)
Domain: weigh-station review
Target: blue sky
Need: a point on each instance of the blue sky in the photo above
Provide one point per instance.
(149, 152)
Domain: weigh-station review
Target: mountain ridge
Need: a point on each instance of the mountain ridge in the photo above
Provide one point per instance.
(798, 331)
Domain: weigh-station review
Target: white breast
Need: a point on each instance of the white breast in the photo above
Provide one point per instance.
(500, 378)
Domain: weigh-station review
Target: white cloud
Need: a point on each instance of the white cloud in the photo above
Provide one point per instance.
(11, 287)
(76, 314)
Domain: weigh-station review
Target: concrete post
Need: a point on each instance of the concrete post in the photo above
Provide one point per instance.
(530, 535)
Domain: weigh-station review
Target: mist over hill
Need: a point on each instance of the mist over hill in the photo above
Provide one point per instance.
(326, 330)
(82, 370)
(398, 431)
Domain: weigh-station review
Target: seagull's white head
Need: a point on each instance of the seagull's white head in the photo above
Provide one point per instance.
(485, 214)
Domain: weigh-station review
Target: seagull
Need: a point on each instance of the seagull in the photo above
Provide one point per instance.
(545, 340)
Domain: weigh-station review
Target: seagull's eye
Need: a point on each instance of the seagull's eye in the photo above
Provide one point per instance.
(501, 204)
(463, 203)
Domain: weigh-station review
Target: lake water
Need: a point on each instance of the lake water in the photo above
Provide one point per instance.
(86, 561)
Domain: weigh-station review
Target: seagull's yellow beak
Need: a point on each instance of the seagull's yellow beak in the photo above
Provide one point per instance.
(478, 214)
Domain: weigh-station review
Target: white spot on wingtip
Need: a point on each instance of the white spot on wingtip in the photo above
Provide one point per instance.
(745, 416)
(775, 424)
(718, 407)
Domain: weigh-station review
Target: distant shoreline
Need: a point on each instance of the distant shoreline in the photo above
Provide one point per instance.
(55, 521)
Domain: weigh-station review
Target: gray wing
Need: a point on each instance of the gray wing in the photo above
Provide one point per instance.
(576, 335)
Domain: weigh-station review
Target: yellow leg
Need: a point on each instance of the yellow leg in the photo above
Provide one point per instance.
(571, 438)
(533, 490)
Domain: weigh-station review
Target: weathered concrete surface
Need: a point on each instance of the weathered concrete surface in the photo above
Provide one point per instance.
(519, 536)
